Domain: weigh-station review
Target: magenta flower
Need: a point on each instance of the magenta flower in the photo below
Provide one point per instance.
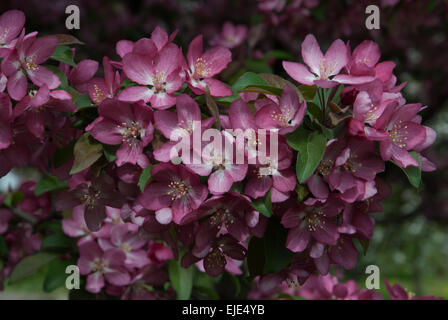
(100, 89)
(287, 115)
(404, 133)
(223, 164)
(125, 237)
(231, 36)
(160, 71)
(183, 123)
(312, 222)
(93, 196)
(324, 68)
(101, 266)
(76, 227)
(25, 61)
(280, 177)
(364, 59)
(203, 66)
(38, 207)
(80, 75)
(354, 167)
(397, 292)
(122, 124)
(34, 107)
(6, 119)
(11, 23)
(174, 186)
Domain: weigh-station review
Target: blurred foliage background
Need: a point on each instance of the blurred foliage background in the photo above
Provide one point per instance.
(410, 243)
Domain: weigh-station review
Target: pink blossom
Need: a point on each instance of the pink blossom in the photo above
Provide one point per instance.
(324, 68)
(231, 36)
(122, 124)
(174, 186)
(25, 61)
(160, 71)
(202, 66)
(100, 89)
(11, 23)
(285, 115)
(101, 266)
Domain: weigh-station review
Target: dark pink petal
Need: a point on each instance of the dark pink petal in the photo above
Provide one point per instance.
(83, 72)
(136, 93)
(292, 218)
(95, 282)
(166, 122)
(326, 232)
(258, 187)
(368, 53)
(217, 60)
(194, 50)
(219, 182)
(188, 110)
(128, 153)
(311, 54)
(156, 196)
(162, 100)
(124, 47)
(11, 23)
(298, 239)
(215, 263)
(336, 57)
(138, 68)
(105, 131)
(218, 88)
(317, 187)
(349, 79)
(285, 180)
(240, 116)
(17, 85)
(43, 76)
(299, 72)
(344, 253)
(41, 48)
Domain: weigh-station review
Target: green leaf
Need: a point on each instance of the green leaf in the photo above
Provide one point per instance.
(63, 155)
(212, 107)
(309, 92)
(314, 110)
(63, 54)
(413, 173)
(264, 205)
(278, 257)
(82, 101)
(364, 244)
(3, 247)
(181, 279)
(56, 276)
(255, 256)
(309, 156)
(249, 79)
(13, 199)
(31, 264)
(280, 83)
(144, 177)
(298, 138)
(55, 241)
(110, 152)
(49, 183)
(86, 153)
(259, 65)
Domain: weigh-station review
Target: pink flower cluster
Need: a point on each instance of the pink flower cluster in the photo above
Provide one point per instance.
(132, 210)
